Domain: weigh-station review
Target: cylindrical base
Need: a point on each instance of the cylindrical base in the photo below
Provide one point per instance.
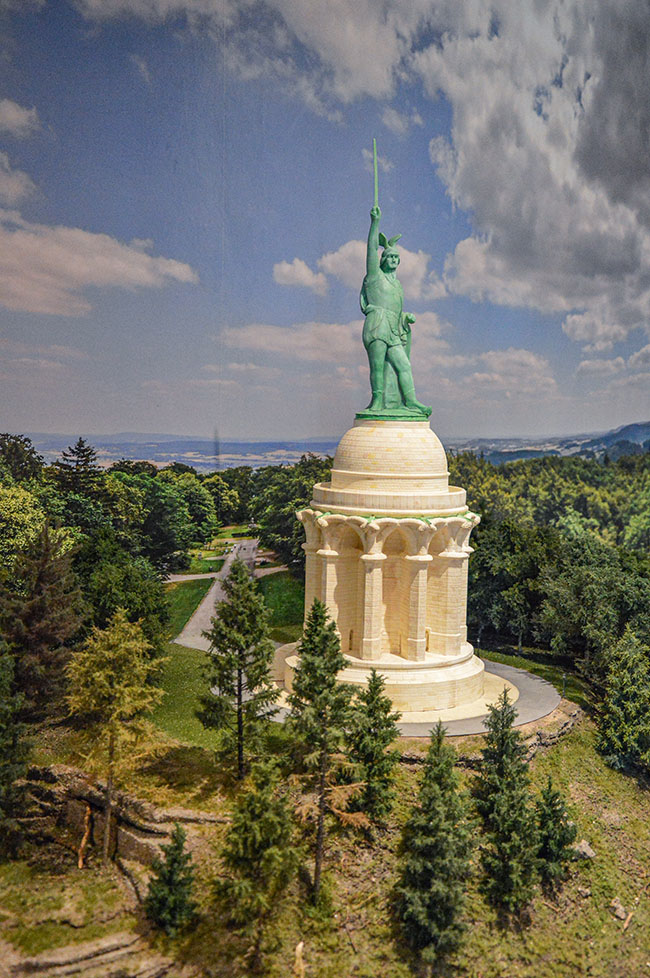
(434, 683)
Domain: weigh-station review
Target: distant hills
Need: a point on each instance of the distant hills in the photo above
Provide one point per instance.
(206, 454)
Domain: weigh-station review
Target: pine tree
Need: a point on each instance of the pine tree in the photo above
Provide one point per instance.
(41, 611)
(77, 470)
(319, 712)
(259, 854)
(504, 802)
(624, 716)
(169, 904)
(436, 852)
(372, 729)
(241, 690)
(556, 835)
(14, 751)
(109, 682)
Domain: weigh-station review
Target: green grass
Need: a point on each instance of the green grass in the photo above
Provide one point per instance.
(565, 681)
(183, 682)
(284, 595)
(184, 598)
(199, 565)
(226, 532)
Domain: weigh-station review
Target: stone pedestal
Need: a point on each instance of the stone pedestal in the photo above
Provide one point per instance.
(386, 551)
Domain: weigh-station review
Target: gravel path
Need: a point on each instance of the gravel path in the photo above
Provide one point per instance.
(192, 635)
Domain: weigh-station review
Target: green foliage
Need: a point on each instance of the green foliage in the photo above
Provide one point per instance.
(320, 709)
(624, 716)
(284, 596)
(199, 502)
(225, 497)
(77, 470)
(109, 676)
(19, 457)
(241, 692)
(371, 730)
(436, 852)
(281, 491)
(112, 578)
(503, 800)
(109, 684)
(169, 904)
(41, 612)
(166, 529)
(556, 835)
(21, 521)
(259, 855)
(14, 751)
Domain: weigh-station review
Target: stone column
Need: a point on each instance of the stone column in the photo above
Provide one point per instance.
(328, 582)
(448, 626)
(312, 589)
(372, 610)
(418, 566)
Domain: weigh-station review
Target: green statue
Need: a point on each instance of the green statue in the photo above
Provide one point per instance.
(387, 329)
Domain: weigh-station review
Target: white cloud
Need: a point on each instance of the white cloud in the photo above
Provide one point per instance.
(348, 264)
(298, 273)
(383, 163)
(513, 374)
(141, 67)
(601, 368)
(641, 358)
(47, 269)
(598, 335)
(16, 120)
(311, 341)
(15, 185)
(399, 123)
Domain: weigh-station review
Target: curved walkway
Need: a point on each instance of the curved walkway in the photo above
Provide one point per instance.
(192, 636)
(537, 698)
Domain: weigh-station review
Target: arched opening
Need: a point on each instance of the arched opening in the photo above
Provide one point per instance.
(347, 592)
(394, 594)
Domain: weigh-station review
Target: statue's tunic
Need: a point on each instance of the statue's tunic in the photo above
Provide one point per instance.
(381, 303)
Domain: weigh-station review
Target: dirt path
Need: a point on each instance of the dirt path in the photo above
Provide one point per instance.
(192, 634)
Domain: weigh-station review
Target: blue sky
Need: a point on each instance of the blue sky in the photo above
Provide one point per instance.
(184, 195)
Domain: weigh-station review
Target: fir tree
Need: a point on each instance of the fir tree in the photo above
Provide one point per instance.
(372, 729)
(556, 834)
(319, 712)
(624, 717)
(41, 611)
(77, 470)
(241, 690)
(503, 800)
(14, 750)
(259, 854)
(109, 679)
(436, 851)
(169, 904)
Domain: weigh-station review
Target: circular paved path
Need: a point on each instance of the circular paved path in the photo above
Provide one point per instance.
(537, 698)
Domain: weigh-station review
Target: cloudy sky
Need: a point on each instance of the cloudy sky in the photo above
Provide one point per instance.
(184, 195)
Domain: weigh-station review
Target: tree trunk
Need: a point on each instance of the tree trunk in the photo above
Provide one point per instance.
(108, 811)
(240, 727)
(320, 828)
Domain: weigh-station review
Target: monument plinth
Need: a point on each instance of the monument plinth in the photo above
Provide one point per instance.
(386, 552)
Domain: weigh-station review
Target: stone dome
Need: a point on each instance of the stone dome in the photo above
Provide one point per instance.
(392, 468)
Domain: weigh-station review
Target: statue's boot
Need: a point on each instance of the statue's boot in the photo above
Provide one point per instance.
(377, 402)
(412, 403)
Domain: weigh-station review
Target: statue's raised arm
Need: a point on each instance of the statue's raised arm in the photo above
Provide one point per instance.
(372, 254)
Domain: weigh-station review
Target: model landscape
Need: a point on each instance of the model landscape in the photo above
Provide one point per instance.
(275, 703)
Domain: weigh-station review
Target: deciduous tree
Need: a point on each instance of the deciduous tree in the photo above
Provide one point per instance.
(624, 715)
(109, 682)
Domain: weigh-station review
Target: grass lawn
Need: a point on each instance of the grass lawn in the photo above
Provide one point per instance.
(184, 598)
(285, 596)
(183, 683)
(226, 532)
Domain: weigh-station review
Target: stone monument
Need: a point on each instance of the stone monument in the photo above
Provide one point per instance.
(387, 539)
